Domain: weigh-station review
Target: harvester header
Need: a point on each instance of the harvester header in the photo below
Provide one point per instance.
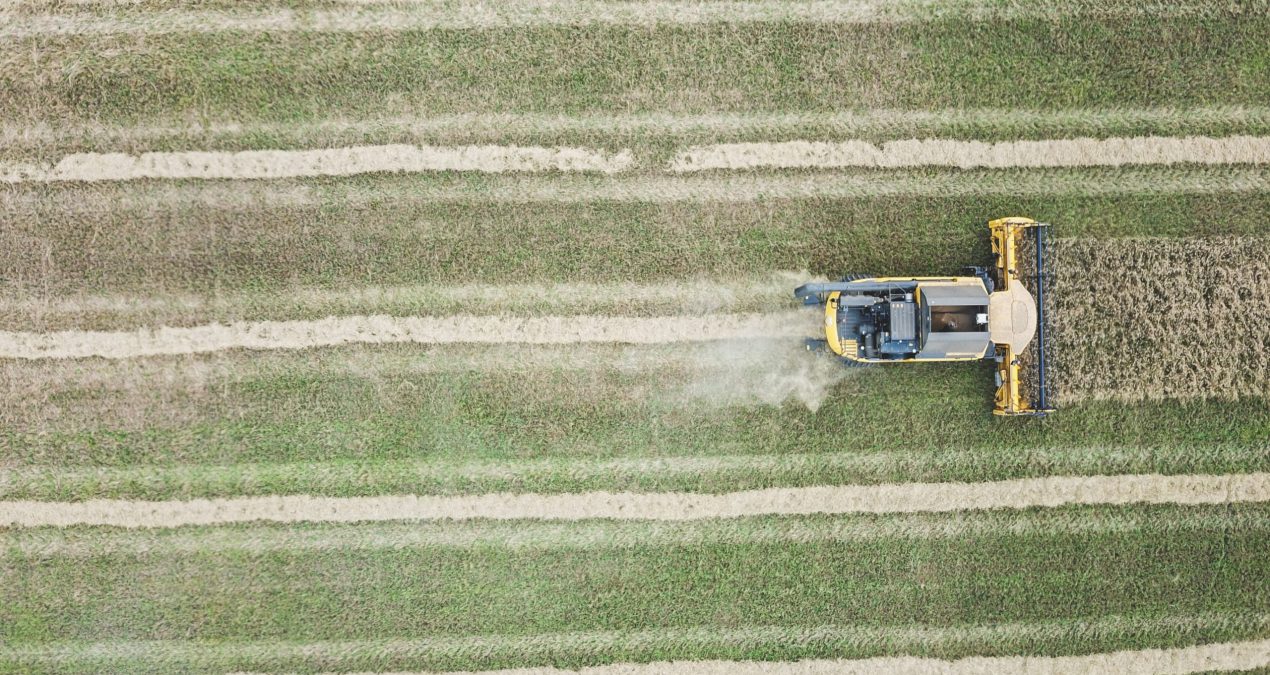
(993, 312)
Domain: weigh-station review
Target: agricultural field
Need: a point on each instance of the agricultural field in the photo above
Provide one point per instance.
(422, 335)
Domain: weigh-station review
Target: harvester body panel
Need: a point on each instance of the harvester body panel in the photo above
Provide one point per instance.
(908, 319)
(963, 318)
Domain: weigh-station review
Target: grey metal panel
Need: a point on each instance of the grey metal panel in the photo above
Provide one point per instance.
(943, 345)
(959, 295)
(903, 320)
(862, 286)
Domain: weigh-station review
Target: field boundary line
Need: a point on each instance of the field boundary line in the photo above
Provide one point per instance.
(892, 498)
(1056, 153)
(462, 329)
(404, 16)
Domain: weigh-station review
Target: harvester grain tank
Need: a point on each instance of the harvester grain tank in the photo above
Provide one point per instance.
(993, 312)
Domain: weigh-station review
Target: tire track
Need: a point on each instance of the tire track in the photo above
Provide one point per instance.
(895, 498)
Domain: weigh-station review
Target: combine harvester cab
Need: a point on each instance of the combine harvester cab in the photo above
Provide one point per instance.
(988, 313)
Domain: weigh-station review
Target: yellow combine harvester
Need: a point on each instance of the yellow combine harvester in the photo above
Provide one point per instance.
(990, 313)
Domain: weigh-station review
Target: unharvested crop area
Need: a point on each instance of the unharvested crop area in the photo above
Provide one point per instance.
(415, 336)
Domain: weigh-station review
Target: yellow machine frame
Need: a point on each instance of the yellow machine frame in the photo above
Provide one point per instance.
(1010, 398)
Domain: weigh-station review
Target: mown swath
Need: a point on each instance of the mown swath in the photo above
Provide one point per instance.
(274, 164)
(974, 154)
(259, 164)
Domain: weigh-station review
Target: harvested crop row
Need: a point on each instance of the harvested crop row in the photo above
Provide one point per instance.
(1148, 319)
(1203, 658)
(255, 164)
(1176, 661)
(975, 154)
(387, 329)
(905, 498)
(272, 164)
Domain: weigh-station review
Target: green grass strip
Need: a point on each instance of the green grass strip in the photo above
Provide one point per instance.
(1069, 62)
(595, 648)
(458, 417)
(447, 592)
(708, 474)
(156, 238)
(654, 136)
(263, 538)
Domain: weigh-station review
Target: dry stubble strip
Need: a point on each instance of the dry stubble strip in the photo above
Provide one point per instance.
(261, 164)
(1073, 152)
(388, 329)
(401, 16)
(1177, 661)
(895, 498)
(272, 164)
(598, 644)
